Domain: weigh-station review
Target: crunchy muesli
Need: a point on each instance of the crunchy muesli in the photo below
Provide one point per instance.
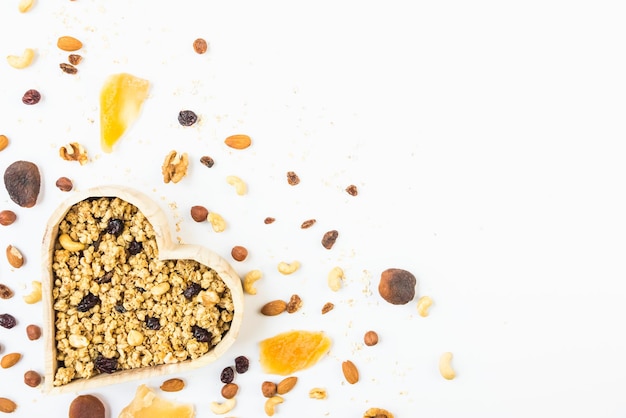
(117, 306)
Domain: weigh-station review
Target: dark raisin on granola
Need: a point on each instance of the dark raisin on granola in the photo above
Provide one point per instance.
(7, 321)
(227, 375)
(105, 278)
(115, 227)
(87, 302)
(192, 290)
(135, 248)
(120, 308)
(200, 334)
(153, 323)
(241, 364)
(187, 117)
(105, 365)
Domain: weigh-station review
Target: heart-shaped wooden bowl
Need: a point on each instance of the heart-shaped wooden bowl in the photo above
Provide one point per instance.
(167, 250)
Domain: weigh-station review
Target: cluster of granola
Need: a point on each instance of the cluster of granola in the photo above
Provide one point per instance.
(117, 306)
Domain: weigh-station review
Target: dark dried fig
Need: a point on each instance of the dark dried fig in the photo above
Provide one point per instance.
(397, 286)
(23, 181)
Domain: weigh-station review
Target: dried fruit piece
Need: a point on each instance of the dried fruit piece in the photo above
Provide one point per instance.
(397, 286)
(292, 178)
(7, 405)
(352, 190)
(7, 321)
(291, 351)
(5, 292)
(239, 141)
(105, 365)
(329, 238)
(172, 385)
(69, 43)
(31, 97)
(350, 372)
(241, 364)
(86, 406)
(23, 181)
(200, 46)
(146, 404)
(187, 117)
(269, 220)
(121, 99)
(227, 375)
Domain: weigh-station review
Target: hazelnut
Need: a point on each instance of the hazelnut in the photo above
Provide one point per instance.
(32, 378)
(199, 213)
(397, 286)
(229, 390)
(370, 338)
(239, 253)
(33, 332)
(64, 184)
(269, 389)
(7, 217)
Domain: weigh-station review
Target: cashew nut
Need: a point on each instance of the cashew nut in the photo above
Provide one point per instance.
(423, 304)
(78, 341)
(445, 366)
(222, 408)
(317, 393)
(249, 279)
(217, 222)
(239, 184)
(25, 5)
(270, 404)
(287, 268)
(160, 289)
(35, 295)
(21, 61)
(209, 298)
(66, 242)
(335, 277)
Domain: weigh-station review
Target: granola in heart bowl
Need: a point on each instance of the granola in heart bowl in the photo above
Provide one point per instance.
(122, 301)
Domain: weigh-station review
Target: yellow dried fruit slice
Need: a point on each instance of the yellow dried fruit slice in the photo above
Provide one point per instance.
(121, 99)
(291, 351)
(146, 404)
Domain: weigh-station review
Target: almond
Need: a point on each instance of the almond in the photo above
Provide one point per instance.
(286, 385)
(14, 256)
(69, 43)
(238, 141)
(172, 385)
(4, 142)
(350, 372)
(229, 390)
(274, 307)
(7, 405)
(9, 360)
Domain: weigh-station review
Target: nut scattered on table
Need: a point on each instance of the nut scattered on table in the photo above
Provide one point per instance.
(350, 372)
(69, 43)
(288, 268)
(308, 223)
(397, 286)
(172, 385)
(249, 279)
(224, 407)
(200, 46)
(14, 257)
(329, 239)
(199, 213)
(229, 390)
(328, 306)
(32, 378)
(273, 308)
(370, 338)
(7, 405)
(174, 167)
(64, 184)
(270, 404)
(269, 389)
(292, 178)
(31, 97)
(35, 294)
(74, 59)
(352, 190)
(445, 366)
(5, 292)
(377, 413)
(318, 393)
(25, 5)
(238, 141)
(7, 217)
(239, 253)
(10, 360)
(33, 332)
(4, 142)
(68, 68)
(294, 304)
(74, 152)
(22, 61)
(423, 305)
(285, 385)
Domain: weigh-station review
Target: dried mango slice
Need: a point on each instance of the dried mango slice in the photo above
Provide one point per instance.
(146, 404)
(291, 351)
(121, 98)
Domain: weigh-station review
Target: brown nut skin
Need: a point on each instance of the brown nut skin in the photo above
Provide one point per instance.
(229, 390)
(33, 332)
(269, 389)
(86, 406)
(7, 217)
(397, 286)
(64, 184)
(370, 338)
(199, 213)
(32, 378)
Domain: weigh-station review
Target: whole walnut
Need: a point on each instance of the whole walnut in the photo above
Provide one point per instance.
(397, 286)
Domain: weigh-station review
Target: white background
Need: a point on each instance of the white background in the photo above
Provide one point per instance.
(486, 142)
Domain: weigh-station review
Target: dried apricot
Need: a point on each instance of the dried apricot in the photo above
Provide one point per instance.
(291, 351)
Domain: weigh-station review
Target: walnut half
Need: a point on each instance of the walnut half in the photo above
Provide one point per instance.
(175, 167)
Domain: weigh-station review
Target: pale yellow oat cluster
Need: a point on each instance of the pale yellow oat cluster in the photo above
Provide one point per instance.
(140, 316)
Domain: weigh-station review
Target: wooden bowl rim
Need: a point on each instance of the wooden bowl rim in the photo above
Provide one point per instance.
(167, 250)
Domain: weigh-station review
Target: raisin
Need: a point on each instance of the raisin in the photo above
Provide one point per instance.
(207, 161)
(31, 97)
(87, 302)
(106, 278)
(201, 334)
(105, 365)
(7, 321)
(115, 227)
(120, 308)
(227, 375)
(329, 238)
(192, 290)
(241, 364)
(153, 323)
(135, 247)
(187, 117)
